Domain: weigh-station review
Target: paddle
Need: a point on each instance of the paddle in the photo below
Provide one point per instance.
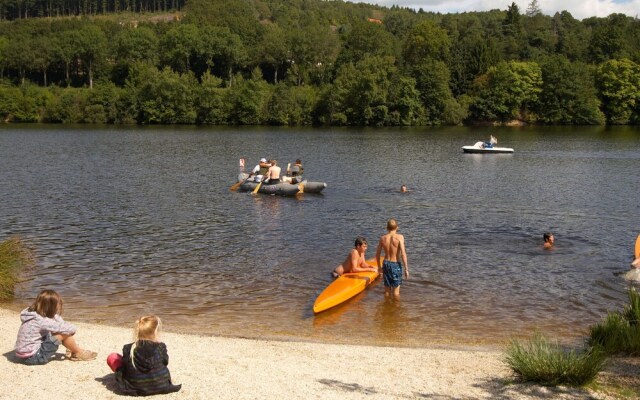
(257, 188)
(237, 185)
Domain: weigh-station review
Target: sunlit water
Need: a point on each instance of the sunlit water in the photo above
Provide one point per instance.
(141, 220)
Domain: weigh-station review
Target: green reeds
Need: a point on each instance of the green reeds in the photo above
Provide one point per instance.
(14, 256)
(619, 332)
(547, 363)
(632, 311)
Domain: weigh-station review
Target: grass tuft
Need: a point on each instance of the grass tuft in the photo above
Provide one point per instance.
(14, 256)
(632, 311)
(619, 332)
(547, 363)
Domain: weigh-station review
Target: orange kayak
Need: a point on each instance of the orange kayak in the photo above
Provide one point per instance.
(344, 287)
(637, 253)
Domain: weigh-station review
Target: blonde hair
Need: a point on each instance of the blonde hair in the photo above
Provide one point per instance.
(146, 328)
(392, 225)
(48, 303)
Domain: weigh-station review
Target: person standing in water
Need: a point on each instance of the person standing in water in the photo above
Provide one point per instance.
(393, 246)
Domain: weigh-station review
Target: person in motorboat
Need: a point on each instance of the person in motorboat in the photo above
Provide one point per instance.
(355, 261)
(548, 240)
(492, 141)
(260, 170)
(273, 173)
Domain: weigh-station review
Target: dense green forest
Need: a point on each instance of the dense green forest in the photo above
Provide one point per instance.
(312, 62)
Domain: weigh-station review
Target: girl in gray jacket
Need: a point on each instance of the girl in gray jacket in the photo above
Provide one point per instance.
(43, 330)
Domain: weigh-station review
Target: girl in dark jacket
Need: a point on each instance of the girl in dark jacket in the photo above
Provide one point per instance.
(142, 368)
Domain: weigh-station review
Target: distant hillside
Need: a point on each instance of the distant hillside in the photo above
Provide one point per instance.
(303, 62)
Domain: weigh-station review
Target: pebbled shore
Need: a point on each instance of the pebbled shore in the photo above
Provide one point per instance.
(230, 368)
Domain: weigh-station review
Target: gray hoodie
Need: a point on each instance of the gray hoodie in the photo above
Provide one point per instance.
(34, 330)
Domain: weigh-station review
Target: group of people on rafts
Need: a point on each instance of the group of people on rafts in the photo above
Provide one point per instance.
(268, 172)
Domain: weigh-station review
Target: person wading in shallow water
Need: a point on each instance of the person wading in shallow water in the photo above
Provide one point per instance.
(393, 246)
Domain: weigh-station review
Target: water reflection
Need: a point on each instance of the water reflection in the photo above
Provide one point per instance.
(138, 220)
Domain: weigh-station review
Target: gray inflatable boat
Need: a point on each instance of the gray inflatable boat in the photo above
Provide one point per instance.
(281, 188)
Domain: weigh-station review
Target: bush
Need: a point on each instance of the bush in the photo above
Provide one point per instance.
(546, 363)
(14, 256)
(619, 333)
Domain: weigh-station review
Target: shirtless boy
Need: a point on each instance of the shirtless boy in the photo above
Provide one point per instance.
(273, 174)
(355, 261)
(548, 240)
(393, 245)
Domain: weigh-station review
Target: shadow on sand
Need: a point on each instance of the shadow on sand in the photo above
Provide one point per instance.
(12, 358)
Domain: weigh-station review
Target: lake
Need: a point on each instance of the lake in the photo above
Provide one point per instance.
(136, 220)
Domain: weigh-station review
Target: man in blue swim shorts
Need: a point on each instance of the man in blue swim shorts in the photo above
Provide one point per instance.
(392, 273)
(393, 246)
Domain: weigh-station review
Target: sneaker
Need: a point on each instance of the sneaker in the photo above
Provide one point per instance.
(84, 355)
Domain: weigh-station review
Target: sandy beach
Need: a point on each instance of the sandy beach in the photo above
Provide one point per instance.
(230, 368)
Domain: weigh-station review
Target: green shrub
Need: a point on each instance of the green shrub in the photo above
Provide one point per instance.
(619, 333)
(14, 256)
(541, 361)
(632, 311)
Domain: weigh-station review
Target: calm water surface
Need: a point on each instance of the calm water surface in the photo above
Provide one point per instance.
(141, 220)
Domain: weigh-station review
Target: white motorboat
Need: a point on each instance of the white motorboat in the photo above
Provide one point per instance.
(486, 147)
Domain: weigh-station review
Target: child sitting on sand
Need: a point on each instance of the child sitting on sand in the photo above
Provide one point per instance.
(43, 330)
(142, 368)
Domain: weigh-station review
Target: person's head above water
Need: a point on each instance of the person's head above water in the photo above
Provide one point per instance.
(548, 239)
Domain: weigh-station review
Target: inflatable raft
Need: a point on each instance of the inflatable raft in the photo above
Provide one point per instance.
(280, 189)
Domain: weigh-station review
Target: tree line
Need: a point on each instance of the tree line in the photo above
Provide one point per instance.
(306, 62)
(22, 9)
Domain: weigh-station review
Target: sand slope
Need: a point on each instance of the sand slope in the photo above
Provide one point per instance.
(227, 368)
